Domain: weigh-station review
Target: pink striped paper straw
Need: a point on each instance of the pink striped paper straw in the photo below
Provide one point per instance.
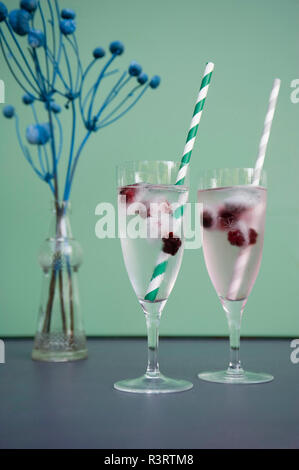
(244, 255)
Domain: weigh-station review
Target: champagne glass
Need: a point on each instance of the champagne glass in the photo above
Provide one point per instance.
(152, 240)
(233, 214)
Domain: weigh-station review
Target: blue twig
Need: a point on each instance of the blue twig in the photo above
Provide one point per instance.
(105, 124)
(38, 77)
(25, 150)
(39, 151)
(39, 74)
(68, 68)
(97, 84)
(46, 42)
(76, 159)
(114, 92)
(75, 48)
(88, 94)
(46, 159)
(57, 59)
(69, 169)
(51, 21)
(57, 71)
(20, 51)
(17, 64)
(60, 138)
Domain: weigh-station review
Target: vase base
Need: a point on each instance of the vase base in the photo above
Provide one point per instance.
(55, 356)
(59, 347)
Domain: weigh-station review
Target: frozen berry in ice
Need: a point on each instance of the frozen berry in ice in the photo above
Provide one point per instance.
(236, 238)
(229, 215)
(252, 236)
(144, 209)
(171, 244)
(227, 218)
(166, 207)
(159, 208)
(130, 192)
(207, 219)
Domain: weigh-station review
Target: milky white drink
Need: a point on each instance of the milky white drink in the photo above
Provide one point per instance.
(149, 226)
(233, 221)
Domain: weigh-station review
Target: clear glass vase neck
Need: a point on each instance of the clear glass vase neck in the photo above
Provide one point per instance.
(60, 226)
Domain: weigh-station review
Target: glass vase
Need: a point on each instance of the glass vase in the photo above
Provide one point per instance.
(60, 334)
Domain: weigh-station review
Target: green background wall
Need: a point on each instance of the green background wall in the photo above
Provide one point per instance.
(251, 42)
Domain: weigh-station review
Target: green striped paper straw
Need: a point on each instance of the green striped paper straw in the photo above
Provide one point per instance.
(162, 261)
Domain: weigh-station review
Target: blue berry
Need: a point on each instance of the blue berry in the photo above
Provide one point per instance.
(36, 38)
(155, 82)
(116, 47)
(98, 52)
(56, 108)
(67, 27)
(68, 14)
(53, 106)
(8, 111)
(29, 5)
(38, 134)
(135, 69)
(3, 12)
(28, 99)
(142, 79)
(19, 21)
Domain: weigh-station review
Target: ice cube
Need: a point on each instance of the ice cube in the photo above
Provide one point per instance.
(243, 198)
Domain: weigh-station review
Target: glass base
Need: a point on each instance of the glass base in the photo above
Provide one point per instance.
(224, 377)
(147, 384)
(54, 356)
(59, 347)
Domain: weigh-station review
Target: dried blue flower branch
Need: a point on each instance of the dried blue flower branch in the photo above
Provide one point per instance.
(43, 70)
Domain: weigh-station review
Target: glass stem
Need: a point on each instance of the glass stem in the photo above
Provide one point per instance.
(234, 310)
(234, 344)
(152, 323)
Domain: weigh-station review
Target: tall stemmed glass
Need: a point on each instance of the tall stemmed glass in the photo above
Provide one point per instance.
(150, 231)
(233, 213)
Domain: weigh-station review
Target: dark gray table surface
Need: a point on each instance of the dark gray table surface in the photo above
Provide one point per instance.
(74, 405)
